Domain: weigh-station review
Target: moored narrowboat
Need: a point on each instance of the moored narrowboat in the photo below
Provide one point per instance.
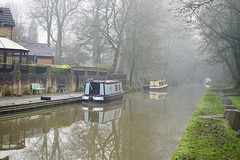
(157, 85)
(102, 91)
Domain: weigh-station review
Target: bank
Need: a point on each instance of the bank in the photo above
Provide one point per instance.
(208, 134)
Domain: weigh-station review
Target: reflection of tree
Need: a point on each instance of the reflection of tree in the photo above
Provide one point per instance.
(44, 148)
(95, 142)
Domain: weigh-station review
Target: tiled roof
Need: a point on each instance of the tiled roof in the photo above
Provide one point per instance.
(6, 18)
(39, 49)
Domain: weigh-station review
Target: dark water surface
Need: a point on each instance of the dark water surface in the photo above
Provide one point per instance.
(142, 126)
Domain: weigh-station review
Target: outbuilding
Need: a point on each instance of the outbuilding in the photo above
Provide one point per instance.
(39, 53)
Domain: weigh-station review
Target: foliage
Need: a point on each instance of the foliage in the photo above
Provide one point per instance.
(101, 66)
(60, 70)
(208, 137)
(235, 100)
(37, 69)
(218, 25)
(10, 90)
(135, 87)
(210, 105)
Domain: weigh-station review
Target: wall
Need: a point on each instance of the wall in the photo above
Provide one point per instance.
(6, 32)
(21, 78)
(43, 61)
(20, 81)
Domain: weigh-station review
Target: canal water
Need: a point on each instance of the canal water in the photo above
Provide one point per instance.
(142, 126)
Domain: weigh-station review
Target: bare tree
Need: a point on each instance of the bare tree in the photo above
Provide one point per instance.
(115, 20)
(33, 32)
(42, 11)
(217, 23)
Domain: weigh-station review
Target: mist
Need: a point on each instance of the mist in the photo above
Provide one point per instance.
(145, 39)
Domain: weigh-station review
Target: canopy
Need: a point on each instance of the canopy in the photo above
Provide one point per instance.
(7, 44)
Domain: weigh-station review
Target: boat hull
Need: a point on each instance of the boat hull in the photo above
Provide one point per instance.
(156, 89)
(99, 99)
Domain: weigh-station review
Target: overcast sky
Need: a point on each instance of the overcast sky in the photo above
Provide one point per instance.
(41, 33)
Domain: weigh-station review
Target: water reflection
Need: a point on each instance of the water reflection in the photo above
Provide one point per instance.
(137, 128)
(102, 113)
(157, 95)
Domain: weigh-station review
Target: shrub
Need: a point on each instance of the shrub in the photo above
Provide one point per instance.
(60, 70)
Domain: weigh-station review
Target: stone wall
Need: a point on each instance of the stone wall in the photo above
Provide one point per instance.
(22, 81)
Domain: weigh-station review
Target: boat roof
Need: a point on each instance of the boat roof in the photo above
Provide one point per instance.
(106, 81)
(159, 80)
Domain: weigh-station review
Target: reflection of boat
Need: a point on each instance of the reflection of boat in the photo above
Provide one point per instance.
(102, 113)
(156, 85)
(157, 95)
(103, 91)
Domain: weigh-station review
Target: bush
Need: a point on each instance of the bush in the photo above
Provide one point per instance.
(37, 69)
(135, 87)
(60, 70)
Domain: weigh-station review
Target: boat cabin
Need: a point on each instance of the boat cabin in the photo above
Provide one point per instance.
(102, 90)
(158, 84)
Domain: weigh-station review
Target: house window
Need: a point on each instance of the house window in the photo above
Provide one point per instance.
(24, 60)
(16, 59)
(9, 58)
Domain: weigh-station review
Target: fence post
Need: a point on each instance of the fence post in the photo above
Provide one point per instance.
(48, 78)
(72, 86)
(17, 79)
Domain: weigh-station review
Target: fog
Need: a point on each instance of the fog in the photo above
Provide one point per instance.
(146, 39)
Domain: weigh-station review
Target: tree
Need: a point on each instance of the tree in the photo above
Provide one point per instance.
(64, 9)
(115, 20)
(218, 25)
(143, 38)
(42, 11)
(33, 32)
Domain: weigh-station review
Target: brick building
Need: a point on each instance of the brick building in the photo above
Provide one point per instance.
(41, 51)
(6, 23)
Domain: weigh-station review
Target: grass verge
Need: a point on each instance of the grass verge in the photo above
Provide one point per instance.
(206, 136)
(236, 101)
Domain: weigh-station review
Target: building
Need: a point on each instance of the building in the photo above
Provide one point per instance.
(6, 23)
(11, 53)
(42, 52)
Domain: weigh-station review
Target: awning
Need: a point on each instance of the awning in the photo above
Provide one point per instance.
(7, 44)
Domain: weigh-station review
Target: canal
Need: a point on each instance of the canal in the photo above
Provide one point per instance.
(142, 126)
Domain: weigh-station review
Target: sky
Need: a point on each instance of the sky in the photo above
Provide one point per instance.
(41, 33)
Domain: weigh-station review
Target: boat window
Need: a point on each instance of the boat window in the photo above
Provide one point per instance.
(116, 87)
(94, 88)
(119, 87)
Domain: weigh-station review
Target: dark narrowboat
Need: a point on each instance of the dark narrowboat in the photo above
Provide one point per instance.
(102, 91)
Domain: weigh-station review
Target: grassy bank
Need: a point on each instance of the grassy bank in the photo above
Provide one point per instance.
(207, 136)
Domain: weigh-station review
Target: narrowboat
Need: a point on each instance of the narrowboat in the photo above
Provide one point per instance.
(157, 85)
(102, 91)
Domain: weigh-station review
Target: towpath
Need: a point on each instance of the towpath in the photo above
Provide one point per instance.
(32, 101)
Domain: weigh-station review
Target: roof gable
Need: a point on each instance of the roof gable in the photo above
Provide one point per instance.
(6, 18)
(39, 49)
